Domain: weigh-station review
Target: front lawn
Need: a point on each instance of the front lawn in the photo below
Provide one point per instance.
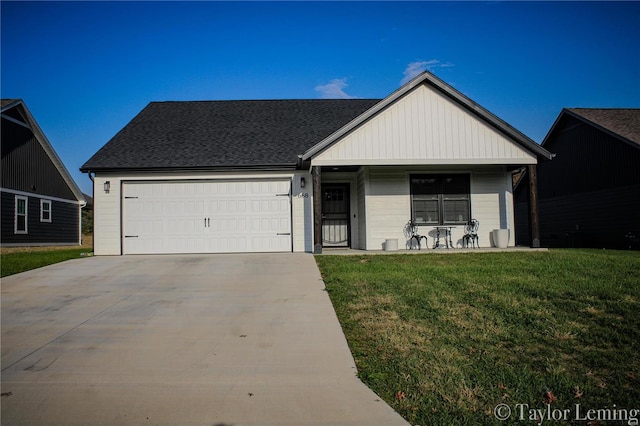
(445, 338)
(20, 261)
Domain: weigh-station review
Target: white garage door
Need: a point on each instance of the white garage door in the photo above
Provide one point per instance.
(206, 216)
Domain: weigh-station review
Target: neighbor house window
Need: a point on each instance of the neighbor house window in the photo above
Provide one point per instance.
(45, 211)
(20, 220)
(440, 199)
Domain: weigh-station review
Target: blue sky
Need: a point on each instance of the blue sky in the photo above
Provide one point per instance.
(85, 69)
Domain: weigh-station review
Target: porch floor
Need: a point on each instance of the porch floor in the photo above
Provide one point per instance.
(352, 252)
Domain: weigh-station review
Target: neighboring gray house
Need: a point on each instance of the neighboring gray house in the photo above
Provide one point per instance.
(589, 195)
(299, 175)
(40, 202)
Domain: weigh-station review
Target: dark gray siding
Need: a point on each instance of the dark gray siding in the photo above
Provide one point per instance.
(589, 194)
(594, 219)
(27, 167)
(587, 159)
(63, 228)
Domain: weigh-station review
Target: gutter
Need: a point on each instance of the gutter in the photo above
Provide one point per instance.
(239, 168)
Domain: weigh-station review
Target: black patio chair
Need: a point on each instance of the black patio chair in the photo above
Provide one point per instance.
(471, 234)
(411, 232)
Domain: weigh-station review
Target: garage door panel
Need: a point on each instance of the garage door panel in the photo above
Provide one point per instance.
(207, 217)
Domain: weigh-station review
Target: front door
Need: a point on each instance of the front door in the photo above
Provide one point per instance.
(335, 215)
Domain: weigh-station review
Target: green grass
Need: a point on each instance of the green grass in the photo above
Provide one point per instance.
(445, 338)
(13, 263)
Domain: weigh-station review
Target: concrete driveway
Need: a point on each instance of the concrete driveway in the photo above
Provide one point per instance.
(181, 340)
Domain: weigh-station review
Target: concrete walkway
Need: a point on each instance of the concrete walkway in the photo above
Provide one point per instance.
(179, 340)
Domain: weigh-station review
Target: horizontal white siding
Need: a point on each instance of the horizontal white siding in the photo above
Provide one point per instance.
(492, 205)
(424, 127)
(106, 216)
(301, 213)
(388, 206)
(362, 216)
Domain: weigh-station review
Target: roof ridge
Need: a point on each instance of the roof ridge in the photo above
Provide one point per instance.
(265, 100)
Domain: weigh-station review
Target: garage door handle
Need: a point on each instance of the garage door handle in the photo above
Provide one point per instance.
(131, 236)
(283, 233)
(282, 195)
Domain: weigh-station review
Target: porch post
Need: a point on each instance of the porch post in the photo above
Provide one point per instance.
(533, 205)
(317, 210)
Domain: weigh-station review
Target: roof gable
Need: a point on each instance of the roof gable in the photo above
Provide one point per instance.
(424, 127)
(224, 134)
(23, 125)
(444, 92)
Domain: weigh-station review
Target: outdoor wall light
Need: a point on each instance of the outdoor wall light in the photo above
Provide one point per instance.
(302, 182)
(107, 187)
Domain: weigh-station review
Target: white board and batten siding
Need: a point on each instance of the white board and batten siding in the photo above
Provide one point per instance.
(207, 215)
(424, 127)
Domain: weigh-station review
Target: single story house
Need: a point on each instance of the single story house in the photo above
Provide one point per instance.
(40, 202)
(300, 175)
(589, 195)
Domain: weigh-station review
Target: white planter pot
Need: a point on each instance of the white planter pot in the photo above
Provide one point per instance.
(500, 238)
(391, 244)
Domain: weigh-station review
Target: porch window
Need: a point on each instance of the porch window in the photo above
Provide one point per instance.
(20, 218)
(45, 211)
(440, 199)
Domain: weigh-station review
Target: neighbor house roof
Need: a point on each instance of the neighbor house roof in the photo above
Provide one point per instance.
(224, 134)
(5, 102)
(621, 122)
(16, 110)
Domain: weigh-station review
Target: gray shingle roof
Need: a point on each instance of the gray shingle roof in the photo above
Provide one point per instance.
(221, 134)
(624, 122)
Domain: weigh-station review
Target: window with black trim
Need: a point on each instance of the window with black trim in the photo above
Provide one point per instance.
(440, 199)
(20, 219)
(45, 211)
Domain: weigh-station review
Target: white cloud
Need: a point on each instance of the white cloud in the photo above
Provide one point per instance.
(334, 89)
(418, 67)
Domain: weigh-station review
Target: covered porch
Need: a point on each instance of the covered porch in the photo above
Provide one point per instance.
(427, 154)
(360, 208)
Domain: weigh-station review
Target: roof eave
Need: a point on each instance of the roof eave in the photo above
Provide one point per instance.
(177, 169)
